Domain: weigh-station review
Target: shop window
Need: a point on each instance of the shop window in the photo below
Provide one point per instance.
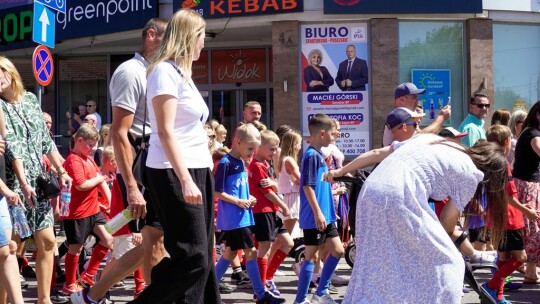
(79, 80)
(433, 45)
(516, 60)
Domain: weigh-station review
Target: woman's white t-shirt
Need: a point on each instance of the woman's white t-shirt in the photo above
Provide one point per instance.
(191, 113)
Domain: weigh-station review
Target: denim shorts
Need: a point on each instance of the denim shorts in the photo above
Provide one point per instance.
(5, 222)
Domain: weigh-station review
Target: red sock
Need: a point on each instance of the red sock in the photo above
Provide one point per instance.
(263, 266)
(276, 261)
(139, 279)
(24, 262)
(71, 262)
(98, 254)
(505, 269)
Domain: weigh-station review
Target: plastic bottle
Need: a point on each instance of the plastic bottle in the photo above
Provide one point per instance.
(19, 221)
(118, 221)
(65, 199)
(431, 109)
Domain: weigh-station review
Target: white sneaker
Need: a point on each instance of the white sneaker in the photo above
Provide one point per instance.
(340, 281)
(324, 299)
(304, 302)
(481, 258)
(279, 273)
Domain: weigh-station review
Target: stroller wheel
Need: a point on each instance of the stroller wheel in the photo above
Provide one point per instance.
(350, 254)
(299, 256)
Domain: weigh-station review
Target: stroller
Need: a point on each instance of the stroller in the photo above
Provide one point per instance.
(347, 212)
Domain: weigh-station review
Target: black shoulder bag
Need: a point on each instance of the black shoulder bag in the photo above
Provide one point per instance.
(139, 162)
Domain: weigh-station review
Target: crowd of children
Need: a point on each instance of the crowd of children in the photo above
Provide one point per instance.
(262, 197)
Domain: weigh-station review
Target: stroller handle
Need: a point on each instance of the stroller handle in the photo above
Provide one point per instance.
(350, 179)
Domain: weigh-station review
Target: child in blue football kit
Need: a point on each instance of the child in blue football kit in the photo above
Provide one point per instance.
(317, 213)
(235, 216)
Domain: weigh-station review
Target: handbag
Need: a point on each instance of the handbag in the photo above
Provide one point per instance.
(139, 162)
(47, 186)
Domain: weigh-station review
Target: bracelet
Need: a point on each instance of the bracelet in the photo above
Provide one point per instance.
(60, 173)
(461, 238)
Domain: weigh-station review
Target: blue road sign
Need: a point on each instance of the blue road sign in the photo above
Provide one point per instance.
(44, 23)
(57, 5)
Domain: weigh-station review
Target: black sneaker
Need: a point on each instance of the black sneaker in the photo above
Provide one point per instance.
(241, 280)
(224, 289)
(57, 297)
(270, 299)
(28, 272)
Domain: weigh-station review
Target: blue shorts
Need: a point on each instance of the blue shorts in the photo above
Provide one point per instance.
(5, 222)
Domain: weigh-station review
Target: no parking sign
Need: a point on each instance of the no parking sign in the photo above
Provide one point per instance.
(42, 65)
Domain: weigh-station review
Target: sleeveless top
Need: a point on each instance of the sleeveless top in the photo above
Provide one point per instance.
(285, 181)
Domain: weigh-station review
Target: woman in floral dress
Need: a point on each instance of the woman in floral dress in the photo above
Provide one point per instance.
(28, 139)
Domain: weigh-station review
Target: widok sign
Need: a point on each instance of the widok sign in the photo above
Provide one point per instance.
(44, 23)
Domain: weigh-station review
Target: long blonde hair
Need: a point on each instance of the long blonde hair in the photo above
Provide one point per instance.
(16, 82)
(288, 143)
(179, 41)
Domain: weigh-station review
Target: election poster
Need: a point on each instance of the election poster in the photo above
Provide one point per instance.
(335, 81)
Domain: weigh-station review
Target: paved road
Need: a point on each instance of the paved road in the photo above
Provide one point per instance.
(287, 285)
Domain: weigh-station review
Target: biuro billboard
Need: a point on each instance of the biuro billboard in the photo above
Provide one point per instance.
(82, 19)
(237, 8)
(402, 7)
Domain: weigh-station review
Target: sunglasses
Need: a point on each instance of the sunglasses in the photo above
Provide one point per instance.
(481, 105)
(211, 136)
(88, 106)
(412, 123)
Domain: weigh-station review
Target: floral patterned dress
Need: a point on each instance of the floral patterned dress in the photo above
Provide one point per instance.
(27, 139)
(403, 254)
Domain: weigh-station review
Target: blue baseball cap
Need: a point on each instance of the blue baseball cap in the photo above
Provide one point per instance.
(399, 116)
(406, 89)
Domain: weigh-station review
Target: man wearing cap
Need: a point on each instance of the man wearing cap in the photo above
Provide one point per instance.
(406, 96)
(452, 134)
(474, 122)
(403, 123)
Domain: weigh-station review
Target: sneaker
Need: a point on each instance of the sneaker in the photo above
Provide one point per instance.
(324, 299)
(87, 280)
(270, 299)
(340, 281)
(511, 286)
(304, 302)
(57, 297)
(312, 286)
(331, 288)
(271, 287)
(28, 272)
(279, 273)
(224, 289)
(136, 294)
(70, 289)
(241, 280)
(119, 284)
(23, 282)
(491, 293)
(80, 297)
(481, 258)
